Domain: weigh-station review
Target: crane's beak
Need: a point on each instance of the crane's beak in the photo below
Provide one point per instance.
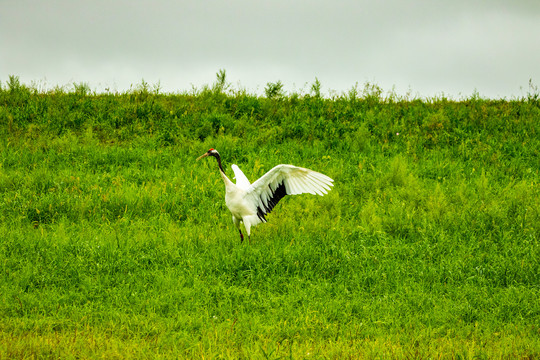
(202, 156)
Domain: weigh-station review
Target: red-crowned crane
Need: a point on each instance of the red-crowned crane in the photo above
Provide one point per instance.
(249, 203)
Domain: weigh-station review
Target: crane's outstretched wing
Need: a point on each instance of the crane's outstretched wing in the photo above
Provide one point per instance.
(241, 180)
(283, 180)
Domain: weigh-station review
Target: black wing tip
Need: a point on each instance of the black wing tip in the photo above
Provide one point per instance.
(261, 214)
(277, 194)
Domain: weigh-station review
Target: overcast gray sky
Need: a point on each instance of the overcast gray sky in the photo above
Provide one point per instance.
(428, 47)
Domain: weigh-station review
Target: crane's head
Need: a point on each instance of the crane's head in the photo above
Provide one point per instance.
(211, 152)
(214, 153)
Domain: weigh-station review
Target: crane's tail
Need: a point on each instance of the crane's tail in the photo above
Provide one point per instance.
(251, 220)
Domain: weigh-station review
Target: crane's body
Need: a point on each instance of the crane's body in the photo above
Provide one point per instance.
(249, 203)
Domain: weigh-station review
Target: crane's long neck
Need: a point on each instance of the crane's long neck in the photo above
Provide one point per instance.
(221, 171)
(218, 159)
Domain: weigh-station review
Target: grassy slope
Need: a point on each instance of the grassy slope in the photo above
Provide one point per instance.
(116, 243)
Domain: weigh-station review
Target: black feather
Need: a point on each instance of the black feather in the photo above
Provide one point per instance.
(277, 195)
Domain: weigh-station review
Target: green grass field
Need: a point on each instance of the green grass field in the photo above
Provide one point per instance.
(116, 243)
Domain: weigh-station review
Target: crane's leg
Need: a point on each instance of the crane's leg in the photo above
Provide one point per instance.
(247, 225)
(237, 223)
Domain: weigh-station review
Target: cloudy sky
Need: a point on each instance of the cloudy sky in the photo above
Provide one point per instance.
(425, 47)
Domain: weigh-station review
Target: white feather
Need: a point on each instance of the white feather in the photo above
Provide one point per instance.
(318, 185)
(293, 186)
(241, 180)
(297, 180)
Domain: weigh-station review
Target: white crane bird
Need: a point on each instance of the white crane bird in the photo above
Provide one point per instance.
(249, 203)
